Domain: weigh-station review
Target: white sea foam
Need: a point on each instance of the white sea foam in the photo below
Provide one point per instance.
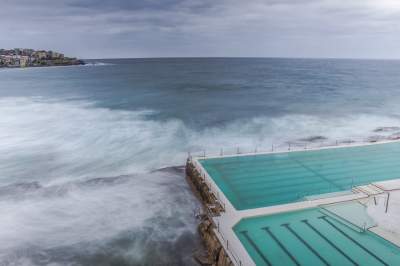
(96, 212)
(58, 141)
(98, 64)
(66, 146)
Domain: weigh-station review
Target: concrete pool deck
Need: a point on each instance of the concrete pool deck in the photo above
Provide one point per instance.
(225, 222)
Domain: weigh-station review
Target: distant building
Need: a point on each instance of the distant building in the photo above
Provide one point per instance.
(7, 59)
(17, 51)
(59, 55)
(28, 52)
(29, 58)
(24, 61)
(40, 54)
(56, 55)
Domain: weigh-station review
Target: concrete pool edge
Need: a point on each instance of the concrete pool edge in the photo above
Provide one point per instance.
(228, 216)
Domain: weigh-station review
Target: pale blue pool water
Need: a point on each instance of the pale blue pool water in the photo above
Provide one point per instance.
(270, 179)
(310, 237)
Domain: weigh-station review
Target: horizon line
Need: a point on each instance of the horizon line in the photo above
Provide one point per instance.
(247, 57)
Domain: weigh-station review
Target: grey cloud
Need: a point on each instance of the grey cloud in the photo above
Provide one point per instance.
(123, 28)
(125, 4)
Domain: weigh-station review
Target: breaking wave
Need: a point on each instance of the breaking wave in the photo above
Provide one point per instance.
(98, 64)
(61, 141)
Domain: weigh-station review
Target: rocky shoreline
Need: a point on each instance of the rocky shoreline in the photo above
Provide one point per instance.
(21, 58)
(72, 63)
(215, 254)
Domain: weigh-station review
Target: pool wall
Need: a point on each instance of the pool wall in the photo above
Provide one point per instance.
(223, 247)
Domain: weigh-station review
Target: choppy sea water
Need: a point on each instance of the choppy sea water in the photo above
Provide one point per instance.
(88, 154)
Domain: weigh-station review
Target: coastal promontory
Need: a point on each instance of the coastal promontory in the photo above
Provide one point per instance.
(17, 57)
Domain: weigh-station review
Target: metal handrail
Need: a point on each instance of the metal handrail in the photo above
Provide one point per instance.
(290, 146)
(230, 250)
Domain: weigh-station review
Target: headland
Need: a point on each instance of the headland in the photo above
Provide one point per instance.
(18, 58)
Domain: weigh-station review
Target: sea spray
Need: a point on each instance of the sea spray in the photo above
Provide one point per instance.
(61, 141)
(132, 218)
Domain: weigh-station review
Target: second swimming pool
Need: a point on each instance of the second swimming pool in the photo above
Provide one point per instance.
(312, 237)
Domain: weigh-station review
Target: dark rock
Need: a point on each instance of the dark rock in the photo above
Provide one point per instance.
(375, 138)
(216, 255)
(313, 138)
(386, 129)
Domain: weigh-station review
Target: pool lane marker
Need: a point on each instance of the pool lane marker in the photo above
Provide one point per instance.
(287, 226)
(329, 241)
(353, 240)
(317, 174)
(255, 247)
(269, 232)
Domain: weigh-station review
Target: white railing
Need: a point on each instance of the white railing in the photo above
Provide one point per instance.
(281, 148)
(228, 248)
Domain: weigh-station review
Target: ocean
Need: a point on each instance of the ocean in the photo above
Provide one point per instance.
(91, 156)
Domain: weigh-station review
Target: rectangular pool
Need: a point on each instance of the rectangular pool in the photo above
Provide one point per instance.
(312, 237)
(262, 180)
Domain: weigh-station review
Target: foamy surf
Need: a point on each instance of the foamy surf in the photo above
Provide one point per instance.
(126, 217)
(62, 141)
(97, 63)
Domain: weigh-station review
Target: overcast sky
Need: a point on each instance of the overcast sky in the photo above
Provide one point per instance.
(149, 28)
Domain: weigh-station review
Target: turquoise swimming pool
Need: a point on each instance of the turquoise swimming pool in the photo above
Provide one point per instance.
(312, 237)
(270, 179)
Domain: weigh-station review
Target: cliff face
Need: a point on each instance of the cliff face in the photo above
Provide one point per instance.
(215, 253)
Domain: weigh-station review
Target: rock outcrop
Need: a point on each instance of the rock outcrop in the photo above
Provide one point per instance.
(215, 254)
